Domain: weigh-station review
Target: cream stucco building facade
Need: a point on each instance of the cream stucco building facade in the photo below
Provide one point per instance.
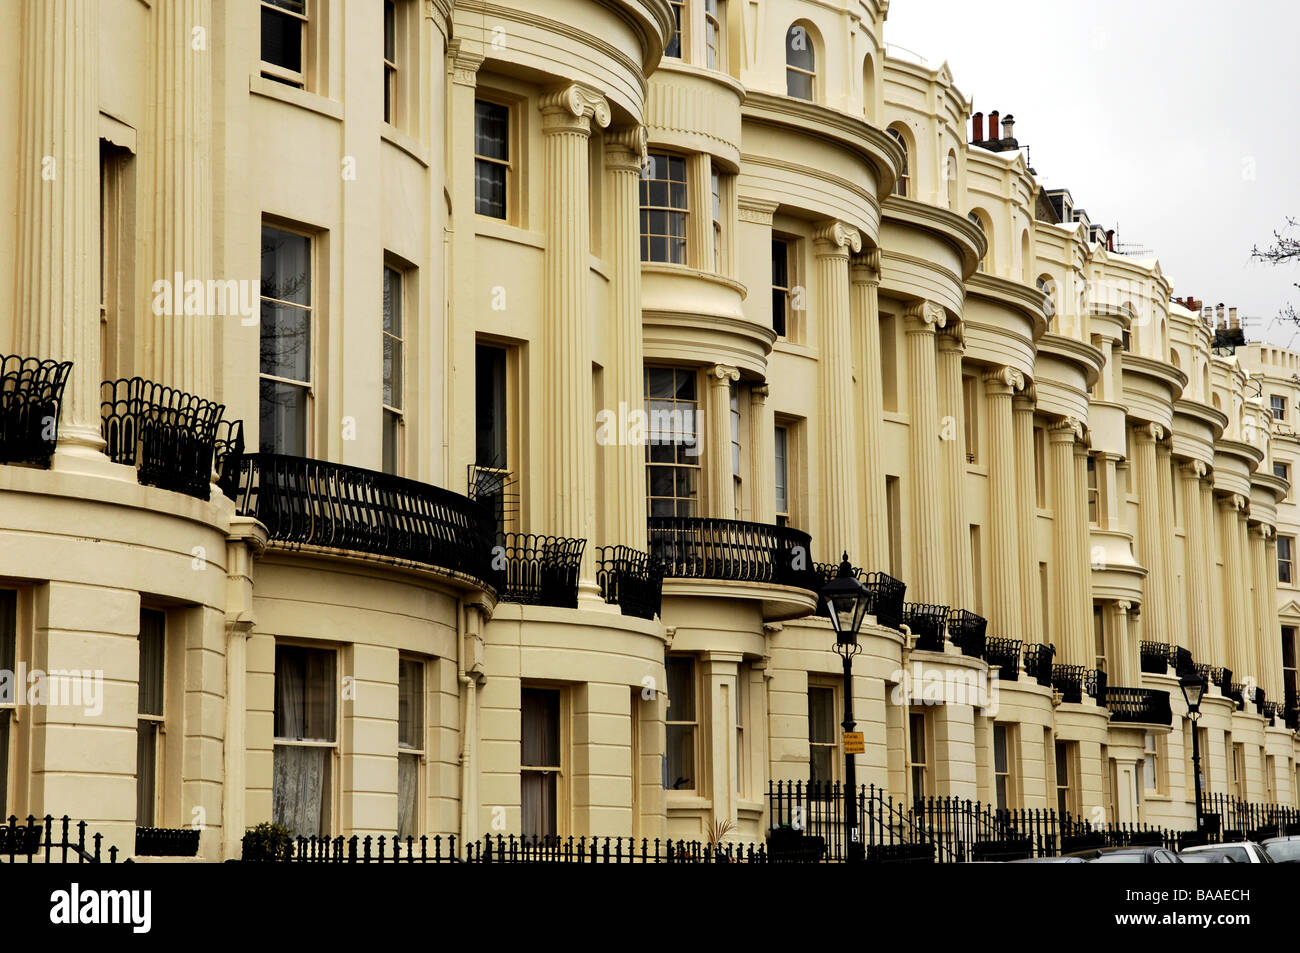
(426, 250)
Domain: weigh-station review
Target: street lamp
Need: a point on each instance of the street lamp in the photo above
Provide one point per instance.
(846, 602)
(1193, 687)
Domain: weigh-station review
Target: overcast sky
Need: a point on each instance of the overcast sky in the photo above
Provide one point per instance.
(1175, 121)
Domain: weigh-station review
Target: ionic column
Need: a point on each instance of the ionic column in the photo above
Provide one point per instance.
(1073, 648)
(717, 450)
(1031, 598)
(1122, 652)
(929, 564)
(568, 422)
(1198, 582)
(841, 524)
(864, 304)
(1246, 630)
(177, 349)
(1165, 582)
(1272, 633)
(1005, 617)
(625, 479)
(1234, 603)
(1150, 550)
(762, 458)
(1262, 611)
(56, 276)
(953, 414)
(1213, 547)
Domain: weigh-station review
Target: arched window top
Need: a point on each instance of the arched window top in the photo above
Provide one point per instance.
(1047, 285)
(801, 62)
(1218, 404)
(868, 87)
(985, 225)
(1175, 360)
(904, 183)
(950, 170)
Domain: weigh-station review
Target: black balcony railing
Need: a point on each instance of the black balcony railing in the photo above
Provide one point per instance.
(1155, 657)
(31, 397)
(1094, 685)
(537, 570)
(631, 580)
(1069, 681)
(967, 632)
(1215, 675)
(1004, 654)
(1139, 705)
(1291, 709)
(927, 622)
(692, 547)
(1237, 692)
(166, 842)
(313, 502)
(885, 593)
(226, 454)
(169, 435)
(1038, 662)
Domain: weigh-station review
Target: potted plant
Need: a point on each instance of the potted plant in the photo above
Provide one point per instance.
(267, 842)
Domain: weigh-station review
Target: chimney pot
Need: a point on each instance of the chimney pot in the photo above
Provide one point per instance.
(1009, 127)
(1232, 318)
(979, 128)
(993, 125)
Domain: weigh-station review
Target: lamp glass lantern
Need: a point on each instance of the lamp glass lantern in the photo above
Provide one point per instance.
(846, 601)
(1193, 687)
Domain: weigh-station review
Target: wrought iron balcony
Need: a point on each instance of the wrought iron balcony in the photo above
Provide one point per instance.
(1038, 662)
(1155, 657)
(537, 570)
(316, 503)
(886, 593)
(1074, 681)
(1004, 654)
(1291, 710)
(631, 580)
(169, 435)
(694, 547)
(1238, 694)
(927, 622)
(1217, 676)
(31, 396)
(1144, 706)
(967, 631)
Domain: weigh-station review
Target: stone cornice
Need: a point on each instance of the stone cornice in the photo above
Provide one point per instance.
(811, 119)
(1167, 374)
(957, 230)
(1251, 454)
(1068, 349)
(1214, 418)
(1029, 301)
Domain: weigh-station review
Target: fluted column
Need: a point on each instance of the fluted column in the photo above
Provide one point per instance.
(1214, 546)
(1272, 631)
(1005, 617)
(178, 349)
(841, 524)
(1123, 654)
(1031, 598)
(864, 304)
(762, 458)
(625, 479)
(1234, 604)
(1166, 581)
(568, 421)
(1150, 538)
(1072, 639)
(1263, 611)
(1197, 600)
(56, 277)
(929, 562)
(952, 448)
(717, 448)
(1082, 586)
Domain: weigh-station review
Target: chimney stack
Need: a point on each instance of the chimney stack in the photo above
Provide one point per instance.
(993, 125)
(1009, 127)
(1220, 316)
(1232, 318)
(979, 128)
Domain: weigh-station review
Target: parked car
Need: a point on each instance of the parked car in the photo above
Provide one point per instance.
(1283, 850)
(1127, 855)
(1205, 858)
(1240, 852)
(1049, 860)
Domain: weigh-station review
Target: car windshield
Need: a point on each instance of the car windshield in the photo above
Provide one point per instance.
(1285, 851)
(1120, 859)
(1237, 853)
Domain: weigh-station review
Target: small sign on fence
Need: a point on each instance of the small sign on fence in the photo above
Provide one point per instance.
(855, 742)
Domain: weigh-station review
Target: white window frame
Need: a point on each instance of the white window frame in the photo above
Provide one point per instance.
(279, 73)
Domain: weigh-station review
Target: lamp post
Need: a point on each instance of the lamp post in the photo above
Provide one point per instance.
(1193, 687)
(846, 602)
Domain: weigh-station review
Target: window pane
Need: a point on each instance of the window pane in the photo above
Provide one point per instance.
(999, 749)
(153, 627)
(286, 341)
(392, 442)
(8, 632)
(540, 732)
(410, 704)
(390, 31)
(491, 130)
(4, 760)
(681, 689)
(490, 385)
(538, 803)
(408, 787)
(304, 694)
(782, 472)
(489, 188)
(146, 772)
(821, 763)
(393, 301)
(282, 39)
(799, 49)
(301, 793)
(283, 419)
(286, 266)
(821, 716)
(679, 764)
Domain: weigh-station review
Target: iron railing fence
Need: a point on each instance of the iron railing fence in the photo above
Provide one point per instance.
(168, 435)
(885, 593)
(51, 840)
(1155, 657)
(1238, 819)
(537, 570)
(1004, 654)
(968, 632)
(314, 502)
(1216, 675)
(1038, 662)
(928, 623)
(631, 580)
(692, 547)
(1138, 706)
(31, 399)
